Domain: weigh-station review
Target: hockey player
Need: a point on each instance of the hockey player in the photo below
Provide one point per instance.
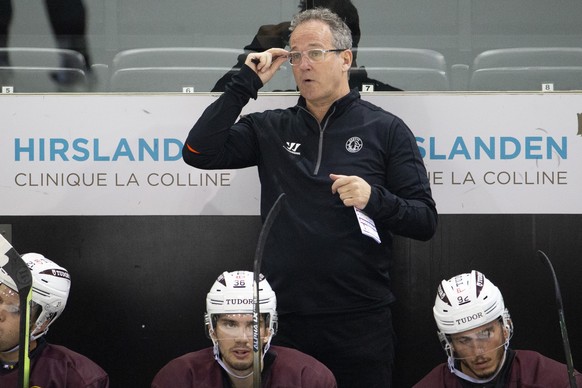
(474, 328)
(51, 365)
(229, 363)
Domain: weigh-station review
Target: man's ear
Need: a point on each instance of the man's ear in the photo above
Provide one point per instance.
(347, 56)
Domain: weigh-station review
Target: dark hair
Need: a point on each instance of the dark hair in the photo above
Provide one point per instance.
(344, 9)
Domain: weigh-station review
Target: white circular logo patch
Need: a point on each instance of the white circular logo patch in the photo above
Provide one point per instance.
(354, 144)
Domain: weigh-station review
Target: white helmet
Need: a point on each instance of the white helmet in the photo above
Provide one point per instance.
(50, 289)
(467, 301)
(232, 293)
(464, 302)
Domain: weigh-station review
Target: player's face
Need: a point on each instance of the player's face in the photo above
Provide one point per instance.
(9, 320)
(234, 333)
(480, 350)
(324, 81)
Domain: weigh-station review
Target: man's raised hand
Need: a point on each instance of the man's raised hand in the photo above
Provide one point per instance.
(265, 64)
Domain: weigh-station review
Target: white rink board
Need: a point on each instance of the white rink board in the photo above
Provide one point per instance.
(120, 154)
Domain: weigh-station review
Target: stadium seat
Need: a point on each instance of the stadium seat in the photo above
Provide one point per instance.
(43, 70)
(527, 69)
(166, 79)
(405, 68)
(200, 67)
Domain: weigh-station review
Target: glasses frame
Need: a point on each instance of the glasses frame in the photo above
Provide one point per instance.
(306, 54)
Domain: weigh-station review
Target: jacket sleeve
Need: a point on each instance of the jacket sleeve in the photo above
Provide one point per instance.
(404, 205)
(215, 141)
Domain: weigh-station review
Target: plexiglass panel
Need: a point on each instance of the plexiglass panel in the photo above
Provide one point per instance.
(540, 44)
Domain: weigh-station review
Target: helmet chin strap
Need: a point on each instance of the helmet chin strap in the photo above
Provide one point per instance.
(11, 350)
(227, 369)
(216, 351)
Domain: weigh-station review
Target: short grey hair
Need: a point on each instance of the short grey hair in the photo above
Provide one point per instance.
(341, 35)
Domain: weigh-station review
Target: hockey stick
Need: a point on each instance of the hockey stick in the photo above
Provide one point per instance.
(16, 268)
(563, 329)
(257, 343)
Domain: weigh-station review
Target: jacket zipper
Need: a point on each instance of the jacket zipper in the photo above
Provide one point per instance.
(320, 145)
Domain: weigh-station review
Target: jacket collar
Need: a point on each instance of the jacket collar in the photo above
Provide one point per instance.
(341, 103)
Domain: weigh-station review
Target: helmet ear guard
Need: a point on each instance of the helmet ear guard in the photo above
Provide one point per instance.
(445, 343)
(443, 339)
(274, 323)
(507, 324)
(207, 325)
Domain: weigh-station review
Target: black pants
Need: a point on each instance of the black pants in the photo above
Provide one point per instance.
(357, 347)
(67, 19)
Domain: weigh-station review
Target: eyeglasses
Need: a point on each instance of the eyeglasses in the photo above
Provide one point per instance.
(313, 55)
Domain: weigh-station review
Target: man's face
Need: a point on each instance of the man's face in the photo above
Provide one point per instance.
(234, 333)
(9, 318)
(480, 350)
(319, 82)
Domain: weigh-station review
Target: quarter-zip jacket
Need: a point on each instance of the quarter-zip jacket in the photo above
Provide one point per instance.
(316, 258)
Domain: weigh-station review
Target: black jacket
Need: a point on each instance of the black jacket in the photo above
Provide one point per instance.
(316, 258)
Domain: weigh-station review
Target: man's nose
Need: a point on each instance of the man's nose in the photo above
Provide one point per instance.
(304, 62)
(246, 332)
(480, 347)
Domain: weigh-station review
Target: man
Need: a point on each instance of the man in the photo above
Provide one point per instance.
(277, 35)
(474, 328)
(335, 157)
(51, 365)
(229, 363)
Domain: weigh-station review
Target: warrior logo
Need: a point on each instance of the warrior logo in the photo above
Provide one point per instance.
(292, 147)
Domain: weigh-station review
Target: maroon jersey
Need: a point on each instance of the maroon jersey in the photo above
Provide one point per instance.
(284, 367)
(528, 369)
(54, 366)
